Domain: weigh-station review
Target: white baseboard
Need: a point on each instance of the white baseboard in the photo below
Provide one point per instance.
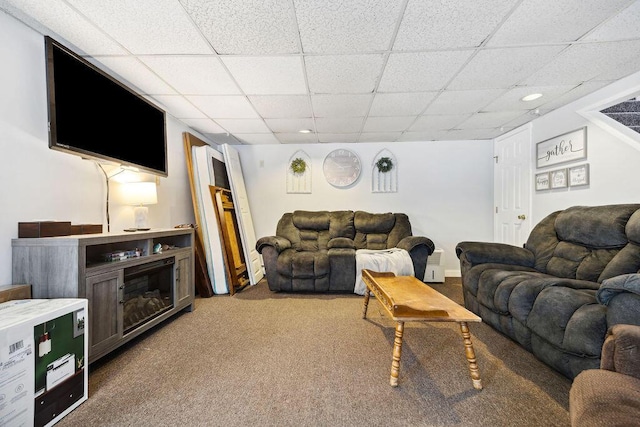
(452, 273)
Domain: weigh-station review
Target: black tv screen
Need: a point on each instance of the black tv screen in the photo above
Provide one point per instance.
(93, 115)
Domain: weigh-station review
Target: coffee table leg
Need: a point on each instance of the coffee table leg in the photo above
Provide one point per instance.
(366, 303)
(471, 356)
(397, 352)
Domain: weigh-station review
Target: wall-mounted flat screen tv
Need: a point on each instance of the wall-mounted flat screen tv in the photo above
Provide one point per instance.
(93, 115)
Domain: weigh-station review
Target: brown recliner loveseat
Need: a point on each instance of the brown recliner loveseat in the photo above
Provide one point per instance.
(315, 251)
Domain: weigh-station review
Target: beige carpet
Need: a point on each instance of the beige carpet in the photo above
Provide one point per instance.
(268, 359)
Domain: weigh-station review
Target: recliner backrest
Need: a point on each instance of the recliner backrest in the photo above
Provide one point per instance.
(312, 230)
(380, 230)
(581, 242)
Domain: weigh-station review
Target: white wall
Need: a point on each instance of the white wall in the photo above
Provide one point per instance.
(614, 164)
(43, 184)
(446, 188)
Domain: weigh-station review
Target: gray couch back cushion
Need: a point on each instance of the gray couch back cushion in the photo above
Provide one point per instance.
(588, 243)
(380, 230)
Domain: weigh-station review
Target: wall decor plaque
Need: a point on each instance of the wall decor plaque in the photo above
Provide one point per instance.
(564, 148)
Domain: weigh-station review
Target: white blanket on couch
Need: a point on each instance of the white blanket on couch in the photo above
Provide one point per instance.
(395, 260)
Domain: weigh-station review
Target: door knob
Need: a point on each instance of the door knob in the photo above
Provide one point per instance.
(522, 216)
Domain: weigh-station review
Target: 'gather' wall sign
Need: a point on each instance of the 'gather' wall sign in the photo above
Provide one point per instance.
(564, 148)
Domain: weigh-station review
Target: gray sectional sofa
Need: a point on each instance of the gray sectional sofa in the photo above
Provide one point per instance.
(315, 251)
(559, 294)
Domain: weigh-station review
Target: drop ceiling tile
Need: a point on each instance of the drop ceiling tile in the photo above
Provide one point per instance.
(494, 119)
(463, 101)
(205, 76)
(430, 135)
(281, 106)
(130, 69)
(338, 137)
(421, 71)
(224, 106)
(257, 138)
(297, 138)
(400, 104)
(267, 75)
(246, 27)
(179, 107)
(552, 21)
(335, 26)
(520, 120)
(350, 105)
(59, 18)
(343, 74)
(431, 122)
(472, 134)
(387, 124)
(243, 125)
(622, 26)
(204, 125)
(512, 100)
(582, 62)
(223, 138)
(630, 65)
(574, 94)
(449, 24)
(379, 136)
(289, 125)
(338, 125)
(166, 27)
(502, 68)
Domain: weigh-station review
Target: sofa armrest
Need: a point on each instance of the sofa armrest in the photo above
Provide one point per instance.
(411, 242)
(499, 253)
(341, 242)
(617, 285)
(277, 242)
(621, 350)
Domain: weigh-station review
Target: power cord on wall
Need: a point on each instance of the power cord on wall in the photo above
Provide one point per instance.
(107, 178)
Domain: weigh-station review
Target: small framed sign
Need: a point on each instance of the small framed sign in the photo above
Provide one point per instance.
(579, 175)
(542, 181)
(558, 178)
(564, 148)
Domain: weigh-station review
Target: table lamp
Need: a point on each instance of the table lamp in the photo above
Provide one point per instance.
(140, 194)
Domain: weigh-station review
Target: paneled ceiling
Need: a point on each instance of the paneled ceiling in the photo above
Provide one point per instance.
(259, 71)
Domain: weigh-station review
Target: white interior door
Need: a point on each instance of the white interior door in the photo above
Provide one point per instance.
(512, 187)
(243, 213)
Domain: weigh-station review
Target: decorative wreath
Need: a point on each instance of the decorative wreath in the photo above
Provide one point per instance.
(298, 166)
(384, 164)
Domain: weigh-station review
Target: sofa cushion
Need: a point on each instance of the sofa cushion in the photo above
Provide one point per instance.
(372, 230)
(586, 239)
(303, 265)
(311, 220)
(341, 225)
(569, 319)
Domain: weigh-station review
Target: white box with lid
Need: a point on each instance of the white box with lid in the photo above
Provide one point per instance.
(43, 355)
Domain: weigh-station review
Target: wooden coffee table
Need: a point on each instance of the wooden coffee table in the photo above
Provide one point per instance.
(407, 299)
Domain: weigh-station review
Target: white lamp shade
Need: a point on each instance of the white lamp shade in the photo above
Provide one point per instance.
(140, 193)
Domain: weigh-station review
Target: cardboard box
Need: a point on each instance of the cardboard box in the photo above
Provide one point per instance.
(44, 229)
(44, 350)
(13, 292)
(86, 228)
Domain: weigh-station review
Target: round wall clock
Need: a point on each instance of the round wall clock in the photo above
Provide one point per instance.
(341, 168)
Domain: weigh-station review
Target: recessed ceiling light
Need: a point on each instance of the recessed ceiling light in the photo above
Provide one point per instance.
(305, 131)
(531, 97)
